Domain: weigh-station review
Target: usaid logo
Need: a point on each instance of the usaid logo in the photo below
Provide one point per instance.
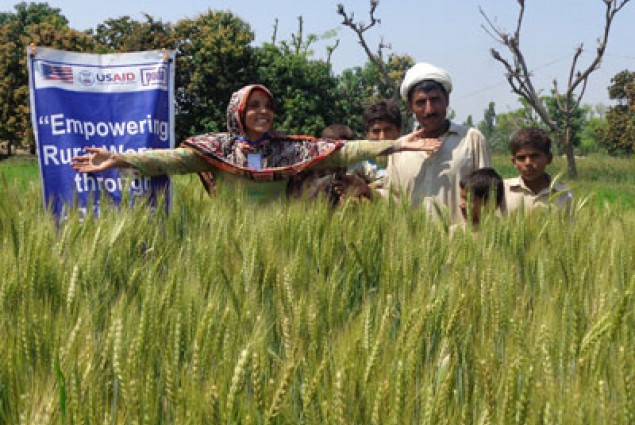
(116, 77)
(86, 78)
(154, 76)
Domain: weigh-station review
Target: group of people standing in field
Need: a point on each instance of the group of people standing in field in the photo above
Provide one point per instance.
(441, 166)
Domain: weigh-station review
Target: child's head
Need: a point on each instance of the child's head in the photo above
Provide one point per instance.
(382, 120)
(480, 189)
(533, 137)
(338, 132)
(531, 153)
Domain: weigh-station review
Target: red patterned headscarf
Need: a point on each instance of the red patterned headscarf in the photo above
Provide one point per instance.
(237, 105)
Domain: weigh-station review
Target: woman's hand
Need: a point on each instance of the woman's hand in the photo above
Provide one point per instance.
(97, 159)
(416, 142)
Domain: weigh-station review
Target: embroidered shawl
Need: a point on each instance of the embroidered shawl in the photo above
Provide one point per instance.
(282, 155)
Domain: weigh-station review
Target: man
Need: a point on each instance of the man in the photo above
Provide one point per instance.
(432, 177)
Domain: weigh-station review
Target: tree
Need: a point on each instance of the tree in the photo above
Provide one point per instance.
(361, 86)
(489, 121)
(619, 134)
(622, 88)
(214, 59)
(40, 25)
(305, 92)
(127, 35)
(595, 122)
(520, 79)
(27, 14)
(506, 124)
(576, 116)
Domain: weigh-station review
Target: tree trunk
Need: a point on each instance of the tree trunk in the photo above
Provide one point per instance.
(570, 153)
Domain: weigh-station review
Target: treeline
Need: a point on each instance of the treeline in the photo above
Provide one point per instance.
(216, 56)
(597, 128)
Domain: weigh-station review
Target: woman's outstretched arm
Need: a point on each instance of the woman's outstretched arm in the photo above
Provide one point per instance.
(97, 160)
(355, 151)
(153, 162)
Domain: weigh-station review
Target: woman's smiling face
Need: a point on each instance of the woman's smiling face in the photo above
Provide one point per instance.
(258, 115)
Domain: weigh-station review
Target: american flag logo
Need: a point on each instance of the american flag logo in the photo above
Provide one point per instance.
(62, 73)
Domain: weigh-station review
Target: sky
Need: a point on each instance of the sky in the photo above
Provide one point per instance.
(447, 33)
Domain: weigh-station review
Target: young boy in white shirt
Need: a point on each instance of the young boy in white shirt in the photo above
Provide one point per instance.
(531, 153)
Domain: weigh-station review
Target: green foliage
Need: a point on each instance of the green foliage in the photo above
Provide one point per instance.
(506, 124)
(290, 313)
(557, 105)
(40, 25)
(618, 137)
(361, 86)
(127, 35)
(589, 141)
(304, 89)
(621, 88)
(31, 13)
(585, 122)
(487, 126)
(214, 59)
(351, 99)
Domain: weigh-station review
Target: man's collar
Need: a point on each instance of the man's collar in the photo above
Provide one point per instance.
(452, 128)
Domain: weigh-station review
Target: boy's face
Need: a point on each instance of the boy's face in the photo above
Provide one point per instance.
(531, 163)
(475, 205)
(382, 130)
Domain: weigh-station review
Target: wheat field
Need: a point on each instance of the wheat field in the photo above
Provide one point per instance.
(226, 312)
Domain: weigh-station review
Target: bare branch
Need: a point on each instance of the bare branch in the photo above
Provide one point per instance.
(298, 39)
(612, 7)
(555, 88)
(576, 56)
(517, 72)
(275, 32)
(360, 28)
(519, 21)
(491, 29)
(519, 76)
(330, 50)
(581, 94)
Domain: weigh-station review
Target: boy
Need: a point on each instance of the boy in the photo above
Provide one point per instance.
(531, 153)
(476, 189)
(383, 122)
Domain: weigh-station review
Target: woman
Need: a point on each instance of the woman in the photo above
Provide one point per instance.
(251, 156)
